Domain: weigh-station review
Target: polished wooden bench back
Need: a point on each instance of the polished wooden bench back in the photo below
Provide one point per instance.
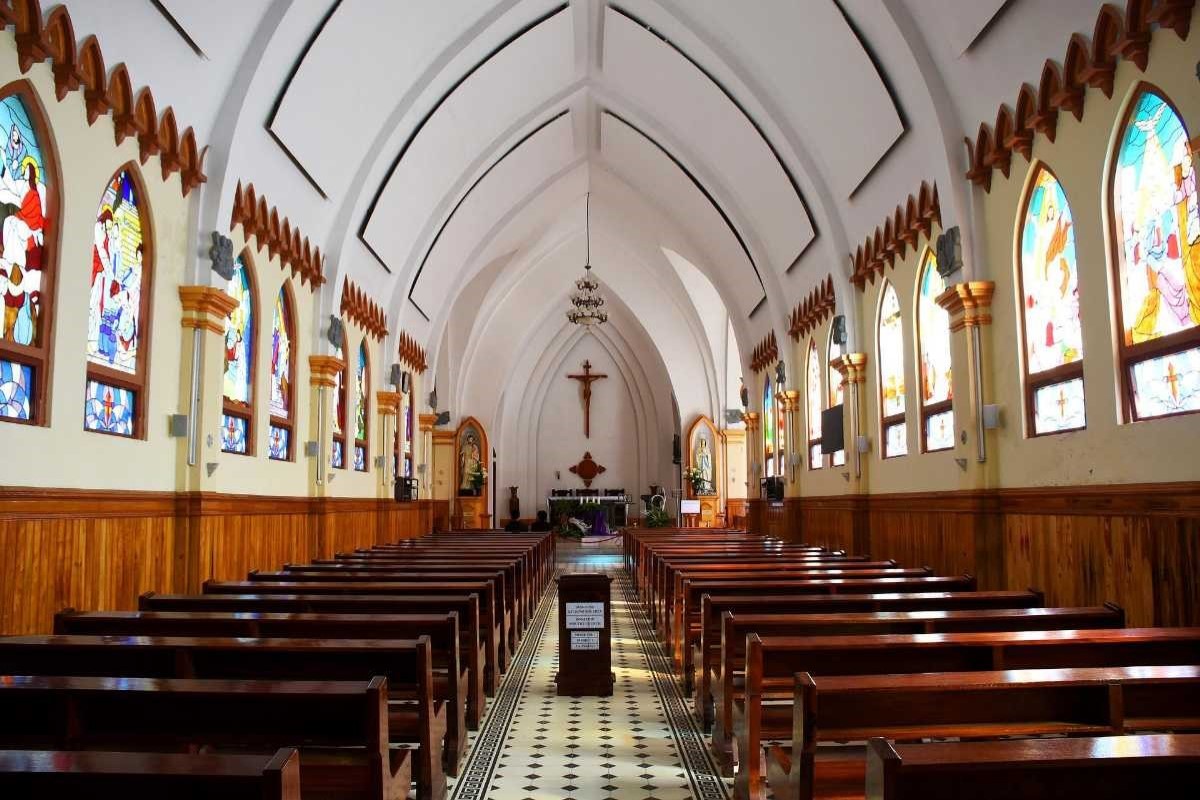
(406, 664)
(341, 727)
(474, 651)
(63, 774)
(1106, 768)
(450, 681)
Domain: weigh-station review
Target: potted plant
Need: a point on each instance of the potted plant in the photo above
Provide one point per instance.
(696, 478)
(656, 518)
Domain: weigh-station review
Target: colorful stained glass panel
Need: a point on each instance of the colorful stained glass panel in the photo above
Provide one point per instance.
(337, 455)
(933, 327)
(281, 359)
(1158, 224)
(812, 380)
(278, 442)
(115, 299)
(239, 337)
(233, 434)
(16, 390)
(108, 409)
(1049, 278)
(769, 416)
(1059, 407)
(24, 230)
(836, 392)
(939, 431)
(360, 458)
(339, 395)
(895, 440)
(360, 394)
(1167, 385)
(891, 353)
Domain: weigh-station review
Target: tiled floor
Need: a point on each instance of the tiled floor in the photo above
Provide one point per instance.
(639, 744)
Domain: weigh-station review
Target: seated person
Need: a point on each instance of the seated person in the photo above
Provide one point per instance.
(515, 526)
(542, 524)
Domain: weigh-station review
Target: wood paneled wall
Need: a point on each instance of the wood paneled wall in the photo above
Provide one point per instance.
(1136, 545)
(99, 550)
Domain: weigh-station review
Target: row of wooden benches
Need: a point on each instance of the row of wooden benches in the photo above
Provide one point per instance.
(374, 664)
(820, 651)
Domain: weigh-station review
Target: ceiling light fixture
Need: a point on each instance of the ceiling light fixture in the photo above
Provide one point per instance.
(587, 304)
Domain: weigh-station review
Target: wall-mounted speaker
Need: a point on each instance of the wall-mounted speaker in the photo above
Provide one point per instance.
(394, 373)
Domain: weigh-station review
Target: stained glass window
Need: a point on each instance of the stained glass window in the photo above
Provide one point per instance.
(278, 443)
(16, 389)
(239, 360)
(282, 353)
(108, 409)
(337, 457)
(1158, 229)
(891, 373)
(26, 222)
(1049, 282)
(233, 434)
(769, 426)
(813, 385)
(115, 326)
(933, 345)
(836, 392)
(362, 385)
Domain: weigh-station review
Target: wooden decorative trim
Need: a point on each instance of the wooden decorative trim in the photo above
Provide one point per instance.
(1178, 499)
(751, 420)
(765, 352)
(20, 503)
(852, 366)
(412, 353)
(903, 229)
(262, 223)
(425, 422)
(1087, 63)
(813, 310)
(205, 307)
(369, 315)
(969, 304)
(76, 67)
(388, 403)
(323, 370)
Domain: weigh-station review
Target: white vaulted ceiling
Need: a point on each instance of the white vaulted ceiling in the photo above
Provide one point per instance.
(428, 146)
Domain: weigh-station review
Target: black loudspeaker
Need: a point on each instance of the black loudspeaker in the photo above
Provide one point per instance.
(676, 450)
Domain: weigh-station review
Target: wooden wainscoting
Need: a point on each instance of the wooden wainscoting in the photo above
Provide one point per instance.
(99, 550)
(1137, 545)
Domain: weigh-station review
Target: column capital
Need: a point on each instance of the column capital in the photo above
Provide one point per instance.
(387, 402)
(751, 419)
(205, 307)
(791, 398)
(323, 370)
(852, 366)
(969, 304)
(426, 422)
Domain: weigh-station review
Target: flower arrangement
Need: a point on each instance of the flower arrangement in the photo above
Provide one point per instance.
(695, 477)
(478, 477)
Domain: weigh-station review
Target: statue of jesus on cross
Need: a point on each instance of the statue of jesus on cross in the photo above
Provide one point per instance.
(586, 379)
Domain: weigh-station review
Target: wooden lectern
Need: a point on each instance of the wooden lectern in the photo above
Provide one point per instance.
(585, 635)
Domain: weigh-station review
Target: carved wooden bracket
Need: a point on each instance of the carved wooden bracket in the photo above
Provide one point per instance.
(765, 352)
(260, 221)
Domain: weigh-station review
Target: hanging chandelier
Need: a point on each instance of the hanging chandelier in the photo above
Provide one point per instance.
(587, 304)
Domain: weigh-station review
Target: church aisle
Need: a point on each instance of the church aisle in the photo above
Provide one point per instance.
(639, 744)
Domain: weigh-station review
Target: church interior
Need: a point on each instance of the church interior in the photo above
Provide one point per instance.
(595, 389)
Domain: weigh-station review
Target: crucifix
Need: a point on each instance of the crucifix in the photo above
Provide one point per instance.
(586, 379)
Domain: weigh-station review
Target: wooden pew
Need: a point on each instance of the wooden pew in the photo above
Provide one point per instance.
(687, 613)
(975, 705)
(450, 679)
(505, 603)
(466, 607)
(62, 774)
(341, 728)
(772, 663)
(706, 636)
(490, 620)
(1103, 768)
(413, 717)
(537, 551)
(726, 679)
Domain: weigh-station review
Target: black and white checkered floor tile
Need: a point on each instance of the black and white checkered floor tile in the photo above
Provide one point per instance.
(640, 744)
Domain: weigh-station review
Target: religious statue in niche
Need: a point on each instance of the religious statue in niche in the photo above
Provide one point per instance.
(702, 453)
(470, 465)
(514, 503)
(704, 465)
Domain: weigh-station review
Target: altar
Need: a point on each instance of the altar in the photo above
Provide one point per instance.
(612, 509)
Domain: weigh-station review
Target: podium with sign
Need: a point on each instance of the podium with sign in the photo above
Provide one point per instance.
(585, 635)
